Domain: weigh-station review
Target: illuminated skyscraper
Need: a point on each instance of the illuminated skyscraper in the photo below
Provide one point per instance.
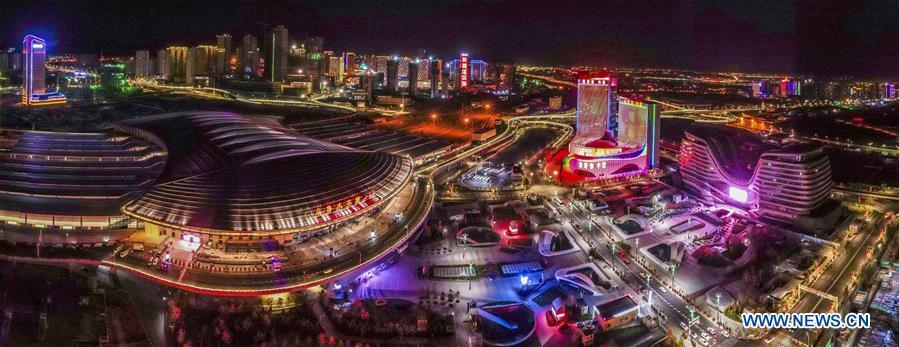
(758, 89)
(161, 63)
(413, 77)
(478, 70)
(507, 76)
(434, 73)
(34, 88)
(200, 62)
(315, 61)
(595, 152)
(142, 66)
(594, 101)
(392, 75)
(249, 57)
(335, 67)
(176, 64)
(789, 87)
(276, 54)
(886, 90)
(222, 54)
(349, 64)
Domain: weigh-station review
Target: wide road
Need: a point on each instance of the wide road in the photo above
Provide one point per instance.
(675, 308)
(849, 260)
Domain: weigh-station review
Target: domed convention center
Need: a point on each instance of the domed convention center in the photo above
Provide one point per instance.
(218, 193)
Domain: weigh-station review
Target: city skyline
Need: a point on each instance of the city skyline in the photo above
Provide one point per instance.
(452, 173)
(799, 37)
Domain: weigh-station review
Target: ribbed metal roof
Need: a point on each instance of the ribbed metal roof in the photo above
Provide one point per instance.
(229, 173)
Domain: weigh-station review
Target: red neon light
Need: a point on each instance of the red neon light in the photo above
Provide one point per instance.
(463, 66)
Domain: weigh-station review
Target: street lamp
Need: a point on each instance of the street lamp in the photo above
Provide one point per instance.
(470, 278)
(464, 244)
(718, 303)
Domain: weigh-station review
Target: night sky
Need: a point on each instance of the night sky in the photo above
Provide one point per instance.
(828, 37)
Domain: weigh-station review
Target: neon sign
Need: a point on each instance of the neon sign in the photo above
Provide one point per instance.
(463, 70)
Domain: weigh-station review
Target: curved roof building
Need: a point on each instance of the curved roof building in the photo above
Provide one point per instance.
(786, 182)
(231, 174)
(235, 184)
(73, 180)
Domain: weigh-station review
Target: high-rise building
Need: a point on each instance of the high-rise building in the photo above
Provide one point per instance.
(413, 77)
(349, 64)
(595, 153)
(176, 64)
(162, 63)
(34, 84)
(507, 76)
(222, 54)
(249, 57)
(335, 67)
(200, 62)
(15, 61)
(789, 87)
(315, 61)
(142, 66)
(276, 48)
(368, 84)
(434, 72)
(444, 82)
(758, 89)
(594, 100)
(886, 90)
(379, 63)
(4, 62)
(478, 70)
(392, 75)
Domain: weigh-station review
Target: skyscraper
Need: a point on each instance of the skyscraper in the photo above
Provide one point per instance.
(199, 62)
(335, 67)
(478, 70)
(413, 77)
(176, 64)
(507, 76)
(4, 62)
(276, 54)
(34, 87)
(249, 57)
(594, 103)
(595, 152)
(315, 61)
(142, 65)
(222, 54)
(349, 64)
(162, 63)
(434, 72)
(393, 68)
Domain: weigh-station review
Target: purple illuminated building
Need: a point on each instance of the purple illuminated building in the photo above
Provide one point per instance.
(34, 84)
(776, 179)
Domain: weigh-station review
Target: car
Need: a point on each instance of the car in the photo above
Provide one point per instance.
(663, 289)
(704, 335)
(703, 341)
(711, 331)
(683, 325)
(693, 334)
(725, 333)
